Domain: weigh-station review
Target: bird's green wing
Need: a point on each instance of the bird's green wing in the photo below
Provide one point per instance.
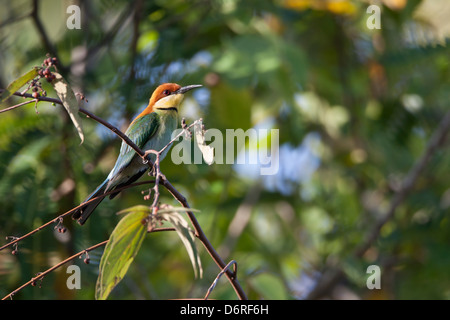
(140, 131)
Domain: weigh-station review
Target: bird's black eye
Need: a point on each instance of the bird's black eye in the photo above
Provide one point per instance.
(166, 92)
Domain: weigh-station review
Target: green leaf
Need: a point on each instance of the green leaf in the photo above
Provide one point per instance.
(122, 247)
(186, 235)
(69, 101)
(18, 83)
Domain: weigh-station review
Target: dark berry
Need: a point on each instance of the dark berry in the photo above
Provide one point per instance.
(62, 229)
(35, 95)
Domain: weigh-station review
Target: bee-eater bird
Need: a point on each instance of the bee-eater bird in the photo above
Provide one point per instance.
(150, 130)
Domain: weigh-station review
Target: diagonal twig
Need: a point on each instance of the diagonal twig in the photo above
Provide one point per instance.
(41, 275)
(15, 240)
(213, 285)
(56, 266)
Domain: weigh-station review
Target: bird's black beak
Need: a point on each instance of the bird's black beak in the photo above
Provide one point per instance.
(187, 88)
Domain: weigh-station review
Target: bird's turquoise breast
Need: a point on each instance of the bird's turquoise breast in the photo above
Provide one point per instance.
(168, 123)
(150, 132)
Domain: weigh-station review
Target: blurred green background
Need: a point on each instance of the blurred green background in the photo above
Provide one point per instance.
(355, 108)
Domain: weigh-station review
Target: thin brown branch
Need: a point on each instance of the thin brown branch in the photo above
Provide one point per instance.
(213, 285)
(28, 95)
(56, 266)
(158, 176)
(79, 254)
(18, 105)
(61, 216)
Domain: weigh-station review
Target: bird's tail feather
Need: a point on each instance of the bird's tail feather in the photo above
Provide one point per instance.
(82, 214)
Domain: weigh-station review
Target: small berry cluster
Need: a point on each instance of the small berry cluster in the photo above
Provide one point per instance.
(50, 62)
(86, 259)
(45, 72)
(60, 226)
(35, 282)
(36, 87)
(15, 245)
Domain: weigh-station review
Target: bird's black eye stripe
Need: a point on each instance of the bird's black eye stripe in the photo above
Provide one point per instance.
(166, 92)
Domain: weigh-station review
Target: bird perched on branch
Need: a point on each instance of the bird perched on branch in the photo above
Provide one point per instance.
(150, 130)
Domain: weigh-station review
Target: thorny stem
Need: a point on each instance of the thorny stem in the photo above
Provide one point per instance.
(18, 105)
(59, 218)
(56, 266)
(175, 193)
(157, 168)
(213, 285)
(158, 175)
(80, 254)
